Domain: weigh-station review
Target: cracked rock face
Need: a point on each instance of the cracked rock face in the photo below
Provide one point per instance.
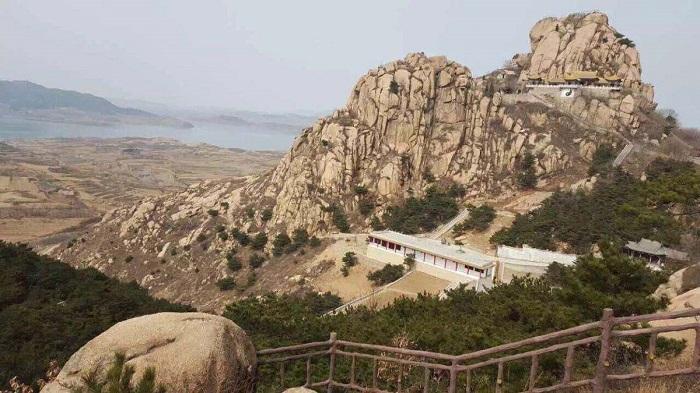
(191, 352)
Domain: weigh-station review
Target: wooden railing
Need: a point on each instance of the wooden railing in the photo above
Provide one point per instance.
(384, 369)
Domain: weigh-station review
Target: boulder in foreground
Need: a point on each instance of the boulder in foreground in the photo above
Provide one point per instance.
(190, 352)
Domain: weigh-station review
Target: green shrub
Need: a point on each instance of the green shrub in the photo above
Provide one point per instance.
(256, 260)
(410, 261)
(602, 161)
(173, 251)
(349, 260)
(252, 278)
(393, 87)
(480, 219)
(366, 206)
(241, 237)
(527, 177)
(300, 236)
(220, 228)
(376, 224)
(266, 215)
(226, 284)
(361, 190)
(340, 220)
(280, 244)
(259, 241)
(314, 242)
(386, 275)
(129, 258)
(233, 263)
(250, 212)
(628, 42)
(118, 380)
(223, 236)
(224, 205)
(213, 212)
(201, 237)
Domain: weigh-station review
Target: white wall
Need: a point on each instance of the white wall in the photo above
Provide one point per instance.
(393, 258)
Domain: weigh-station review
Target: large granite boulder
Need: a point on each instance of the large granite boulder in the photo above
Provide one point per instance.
(191, 352)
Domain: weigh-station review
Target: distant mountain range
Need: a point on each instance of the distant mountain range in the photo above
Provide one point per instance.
(31, 101)
(284, 122)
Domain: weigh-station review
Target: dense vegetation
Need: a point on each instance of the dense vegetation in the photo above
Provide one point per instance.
(466, 320)
(619, 208)
(386, 275)
(424, 214)
(480, 218)
(48, 309)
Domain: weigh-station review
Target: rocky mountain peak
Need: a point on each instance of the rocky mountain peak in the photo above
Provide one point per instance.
(407, 125)
(583, 42)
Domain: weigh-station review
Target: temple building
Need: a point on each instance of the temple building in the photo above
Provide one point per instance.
(653, 252)
(449, 262)
(572, 82)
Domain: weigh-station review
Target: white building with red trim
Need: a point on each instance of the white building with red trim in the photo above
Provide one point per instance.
(450, 262)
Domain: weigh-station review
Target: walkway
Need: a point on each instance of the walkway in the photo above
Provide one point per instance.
(443, 229)
(623, 154)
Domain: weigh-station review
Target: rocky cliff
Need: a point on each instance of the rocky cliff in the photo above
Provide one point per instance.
(406, 125)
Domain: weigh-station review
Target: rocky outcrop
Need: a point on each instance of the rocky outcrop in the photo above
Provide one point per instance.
(191, 352)
(582, 42)
(406, 125)
(587, 42)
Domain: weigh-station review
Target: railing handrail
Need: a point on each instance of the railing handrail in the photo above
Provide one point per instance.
(455, 364)
(402, 351)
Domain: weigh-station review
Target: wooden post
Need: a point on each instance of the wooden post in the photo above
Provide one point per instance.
(600, 384)
(499, 378)
(352, 371)
(426, 380)
(308, 371)
(651, 353)
(453, 377)
(469, 381)
(696, 351)
(568, 365)
(331, 366)
(533, 372)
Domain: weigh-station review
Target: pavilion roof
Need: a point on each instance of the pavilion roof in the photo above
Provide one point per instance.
(573, 75)
(653, 247)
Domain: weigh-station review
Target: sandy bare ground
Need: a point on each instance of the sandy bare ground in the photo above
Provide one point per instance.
(19, 230)
(54, 184)
(356, 283)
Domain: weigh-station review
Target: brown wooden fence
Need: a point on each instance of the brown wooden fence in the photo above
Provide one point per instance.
(384, 369)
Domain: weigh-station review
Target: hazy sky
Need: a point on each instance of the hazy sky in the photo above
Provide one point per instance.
(306, 55)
